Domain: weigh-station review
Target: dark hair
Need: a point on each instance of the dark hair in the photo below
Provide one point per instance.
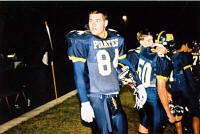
(182, 38)
(142, 33)
(99, 11)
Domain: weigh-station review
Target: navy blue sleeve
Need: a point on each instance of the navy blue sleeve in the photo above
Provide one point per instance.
(147, 52)
(186, 59)
(187, 71)
(77, 46)
(133, 57)
(163, 67)
(80, 80)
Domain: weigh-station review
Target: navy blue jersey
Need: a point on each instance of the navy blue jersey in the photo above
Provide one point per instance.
(196, 64)
(182, 83)
(152, 66)
(182, 70)
(196, 57)
(101, 56)
(133, 56)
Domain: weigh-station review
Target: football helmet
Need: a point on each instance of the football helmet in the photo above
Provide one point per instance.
(166, 39)
(177, 111)
(126, 76)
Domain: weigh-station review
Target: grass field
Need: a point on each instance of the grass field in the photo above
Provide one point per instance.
(65, 118)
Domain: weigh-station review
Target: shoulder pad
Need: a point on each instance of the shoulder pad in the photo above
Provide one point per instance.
(76, 33)
(113, 32)
(134, 50)
(131, 50)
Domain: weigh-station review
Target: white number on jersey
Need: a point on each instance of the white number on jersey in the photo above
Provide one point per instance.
(104, 62)
(144, 70)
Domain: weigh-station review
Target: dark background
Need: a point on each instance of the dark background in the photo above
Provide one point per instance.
(23, 31)
(22, 26)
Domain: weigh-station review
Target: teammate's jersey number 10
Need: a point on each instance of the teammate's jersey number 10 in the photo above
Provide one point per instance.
(104, 62)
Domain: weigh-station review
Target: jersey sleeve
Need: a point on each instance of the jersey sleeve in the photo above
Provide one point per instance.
(187, 71)
(163, 68)
(81, 80)
(77, 48)
(133, 57)
(121, 48)
(186, 61)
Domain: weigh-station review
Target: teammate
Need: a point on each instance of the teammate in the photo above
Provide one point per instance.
(183, 86)
(99, 50)
(153, 68)
(196, 62)
(133, 56)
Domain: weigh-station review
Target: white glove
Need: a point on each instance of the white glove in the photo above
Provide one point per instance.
(140, 96)
(87, 113)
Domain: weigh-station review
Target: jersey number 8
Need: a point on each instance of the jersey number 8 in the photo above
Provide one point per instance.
(104, 62)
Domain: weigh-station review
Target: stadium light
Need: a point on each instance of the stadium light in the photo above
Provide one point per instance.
(124, 17)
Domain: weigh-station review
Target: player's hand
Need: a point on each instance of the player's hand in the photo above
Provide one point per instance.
(171, 118)
(161, 50)
(87, 112)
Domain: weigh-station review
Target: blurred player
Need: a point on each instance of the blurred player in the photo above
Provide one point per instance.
(154, 68)
(183, 86)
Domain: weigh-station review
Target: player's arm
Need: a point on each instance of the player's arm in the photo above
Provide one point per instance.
(163, 71)
(188, 73)
(163, 95)
(80, 80)
(77, 52)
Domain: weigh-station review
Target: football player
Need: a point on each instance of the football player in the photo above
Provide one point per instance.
(182, 84)
(153, 69)
(196, 62)
(99, 49)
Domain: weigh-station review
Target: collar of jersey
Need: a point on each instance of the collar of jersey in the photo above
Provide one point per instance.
(105, 34)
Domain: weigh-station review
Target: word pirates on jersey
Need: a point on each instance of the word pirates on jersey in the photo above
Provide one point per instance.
(105, 43)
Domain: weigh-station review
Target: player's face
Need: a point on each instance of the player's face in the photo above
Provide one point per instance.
(147, 41)
(97, 24)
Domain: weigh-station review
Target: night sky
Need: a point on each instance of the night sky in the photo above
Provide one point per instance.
(22, 28)
(23, 31)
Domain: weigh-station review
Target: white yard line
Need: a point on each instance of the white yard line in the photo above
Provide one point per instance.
(4, 127)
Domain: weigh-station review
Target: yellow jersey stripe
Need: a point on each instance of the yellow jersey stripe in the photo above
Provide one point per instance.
(105, 35)
(77, 59)
(121, 64)
(161, 77)
(186, 67)
(122, 57)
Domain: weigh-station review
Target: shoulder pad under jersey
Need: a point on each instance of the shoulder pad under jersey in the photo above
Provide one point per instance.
(76, 33)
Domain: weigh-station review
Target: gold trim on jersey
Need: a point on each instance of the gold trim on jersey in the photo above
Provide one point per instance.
(105, 34)
(186, 67)
(77, 59)
(122, 57)
(161, 77)
(121, 64)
